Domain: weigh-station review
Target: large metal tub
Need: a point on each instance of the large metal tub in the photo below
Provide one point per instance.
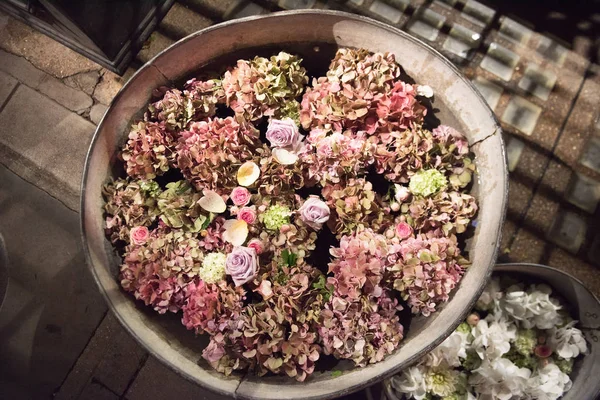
(458, 104)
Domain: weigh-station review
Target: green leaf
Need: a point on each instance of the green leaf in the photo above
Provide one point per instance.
(289, 258)
(336, 373)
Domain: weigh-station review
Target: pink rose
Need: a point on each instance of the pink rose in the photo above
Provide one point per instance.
(283, 133)
(257, 245)
(247, 214)
(240, 196)
(139, 235)
(314, 212)
(241, 264)
(403, 230)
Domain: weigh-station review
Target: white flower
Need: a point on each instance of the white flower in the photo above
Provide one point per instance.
(515, 303)
(443, 381)
(450, 351)
(492, 337)
(425, 91)
(500, 379)
(411, 382)
(548, 383)
(490, 298)
(568, 341)
(543, 307)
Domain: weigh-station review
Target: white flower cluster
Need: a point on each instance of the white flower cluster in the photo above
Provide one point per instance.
(524, 348)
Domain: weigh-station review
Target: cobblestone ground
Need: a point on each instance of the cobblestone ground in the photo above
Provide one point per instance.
(61, 338)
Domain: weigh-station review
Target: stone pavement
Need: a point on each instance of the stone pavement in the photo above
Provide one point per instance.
(59, 334)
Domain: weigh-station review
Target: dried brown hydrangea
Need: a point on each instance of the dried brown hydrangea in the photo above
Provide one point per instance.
(211, 152)
(179, 208)
(149, 151)
(450, 211)
(354, 204)
(265, 86)
(129, 204)
(178, 108)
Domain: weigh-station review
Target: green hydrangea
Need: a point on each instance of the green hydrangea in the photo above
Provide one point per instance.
(566, 366)
(150, 187)
(473, 361)
(427, 182)
(213, 268)
(522, 361)
(464, 328)
(526, 341)
(275, 217)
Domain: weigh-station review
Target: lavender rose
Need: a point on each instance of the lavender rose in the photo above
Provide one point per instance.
(241, 264)
(314, 212)
(283, 133)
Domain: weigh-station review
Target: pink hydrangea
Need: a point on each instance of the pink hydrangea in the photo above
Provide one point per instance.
(210, 306)
(211, 239)
(359, 264)
(428, 270)
(149, 151)
(210, 152)
(363, 330)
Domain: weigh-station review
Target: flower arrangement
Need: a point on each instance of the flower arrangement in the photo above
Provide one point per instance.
(518, 343)
(290, 220)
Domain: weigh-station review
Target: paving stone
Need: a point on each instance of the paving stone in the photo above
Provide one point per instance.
(213, 8)
(45, 143)
(577, 145)
(43, 52)
(556, 180)
(461, 41)
(500, 61)
(247, 10)
(386, 11)
(480, 13)
(581, 270)
(508, 230)
(514, 149)
(522, 114)
(154, 45)
(85, 81)
(519, 194)
(490, 91)
(427, 24)
(541, 213)
(158, 382)
(552, 50)
(594, 252)
(21, 69)
(528, 247)
(112, 358)
(513, 30)
(73, 99)
(296, 4)
(95, 391)
(591, 155)
(538, 81)
(180, 21)
(7, 85)
(97, 112)
(584, 192)
(108, 87)
(46, 259)
(568, 231)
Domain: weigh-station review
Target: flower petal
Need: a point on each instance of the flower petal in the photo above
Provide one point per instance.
(212, 202)
(236, 231)
(248, 173)
(284, 157)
